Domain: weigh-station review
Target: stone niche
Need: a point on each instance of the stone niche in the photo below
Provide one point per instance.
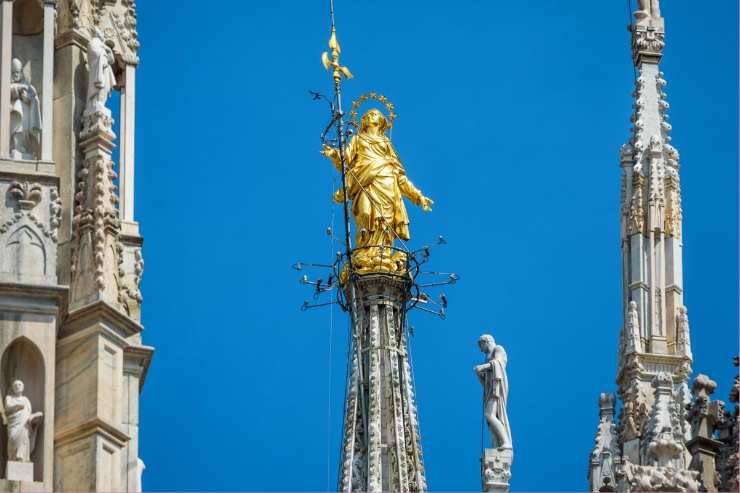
(28, 30)
(27, 352)
(22, 360)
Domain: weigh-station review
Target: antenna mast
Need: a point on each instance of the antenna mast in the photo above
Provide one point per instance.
(337, 72)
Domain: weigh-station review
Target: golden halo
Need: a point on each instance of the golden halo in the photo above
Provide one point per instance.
(374, 96)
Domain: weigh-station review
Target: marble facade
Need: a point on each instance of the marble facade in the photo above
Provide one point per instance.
(70, 258)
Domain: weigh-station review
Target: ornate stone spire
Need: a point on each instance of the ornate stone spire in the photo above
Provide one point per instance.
(651, 201)
(381, 446)
(655, 347)
(605, 456)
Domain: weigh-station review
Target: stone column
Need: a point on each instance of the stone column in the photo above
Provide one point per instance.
(380, 396)
(126, 168)
(96, 246)
(70, 86)
(6, 55)
(47, 103)
(135, 364)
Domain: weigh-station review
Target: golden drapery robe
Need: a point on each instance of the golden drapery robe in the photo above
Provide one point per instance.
(376, 184)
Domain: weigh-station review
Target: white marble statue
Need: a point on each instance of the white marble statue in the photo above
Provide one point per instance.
(492, 375)
(22, 424)
(648, 8)
(25, 115)
(633, 339)
(683, 339)
(101, 77)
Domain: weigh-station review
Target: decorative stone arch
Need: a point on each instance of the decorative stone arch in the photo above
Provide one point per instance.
(24, 253)
(23, 360)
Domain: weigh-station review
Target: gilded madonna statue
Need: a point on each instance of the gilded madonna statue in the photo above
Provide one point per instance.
(376, 183)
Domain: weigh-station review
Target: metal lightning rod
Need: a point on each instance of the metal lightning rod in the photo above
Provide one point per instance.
(338, 72)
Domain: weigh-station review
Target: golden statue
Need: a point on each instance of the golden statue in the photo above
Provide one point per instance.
(376, 184)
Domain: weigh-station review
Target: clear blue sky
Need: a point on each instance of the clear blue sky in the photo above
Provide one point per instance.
(511, 115)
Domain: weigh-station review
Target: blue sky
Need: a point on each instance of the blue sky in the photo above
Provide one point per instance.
(511, 115)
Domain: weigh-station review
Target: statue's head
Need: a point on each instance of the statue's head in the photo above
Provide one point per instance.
(17, 387)
(16, 70)
(374, 118)
(487, 343)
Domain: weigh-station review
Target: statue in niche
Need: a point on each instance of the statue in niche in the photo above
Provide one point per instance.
(376, 185)
(683, 340)
(25, 115)
(22, 424)
(633, 342)
(493, 378)
(648, 8)
(101, 78)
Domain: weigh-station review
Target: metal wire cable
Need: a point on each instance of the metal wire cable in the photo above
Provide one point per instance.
(331, 336)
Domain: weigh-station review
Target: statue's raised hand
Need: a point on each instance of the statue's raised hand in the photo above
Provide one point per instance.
(426, 204)
(329, 152)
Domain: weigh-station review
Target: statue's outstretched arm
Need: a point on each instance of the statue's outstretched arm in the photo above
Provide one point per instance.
(412, 193)
(333, 153)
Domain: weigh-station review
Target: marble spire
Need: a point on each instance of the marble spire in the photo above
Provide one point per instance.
(655, 356)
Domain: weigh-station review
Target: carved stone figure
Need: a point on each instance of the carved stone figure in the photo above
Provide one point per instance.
(25, 115)
(492, 375)
(376, 185)
(101, 78)
(648, 8)
(632, 341)
(683, 340)
(22, 424)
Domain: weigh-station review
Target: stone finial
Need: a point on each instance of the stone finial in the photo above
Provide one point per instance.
(606, 402)
(606, 455)
(703, 387)
(703, 413)
(26, 194)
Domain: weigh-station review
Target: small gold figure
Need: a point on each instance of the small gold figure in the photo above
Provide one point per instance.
(376, 184)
